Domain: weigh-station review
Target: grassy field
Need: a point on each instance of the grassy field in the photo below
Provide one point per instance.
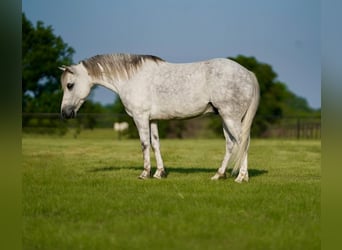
(84, 194)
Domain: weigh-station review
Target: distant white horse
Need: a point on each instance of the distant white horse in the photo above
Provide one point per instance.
(120, 126)
(152, 89)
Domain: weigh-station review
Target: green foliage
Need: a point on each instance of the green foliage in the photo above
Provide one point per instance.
(42, 53)
(43, 124)
(84, 194)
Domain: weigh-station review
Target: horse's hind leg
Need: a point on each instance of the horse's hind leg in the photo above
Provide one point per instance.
(160, 172)
(243, 172)
(228, 132)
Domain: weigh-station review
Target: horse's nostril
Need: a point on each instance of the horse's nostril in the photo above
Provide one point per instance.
(68, 113)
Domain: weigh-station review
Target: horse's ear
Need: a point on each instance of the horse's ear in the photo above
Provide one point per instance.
(63, 68)
(66, 68)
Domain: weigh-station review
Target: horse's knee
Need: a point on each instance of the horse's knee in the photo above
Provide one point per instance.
(145, 145)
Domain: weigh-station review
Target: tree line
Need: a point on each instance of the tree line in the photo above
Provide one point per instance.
(43, 52)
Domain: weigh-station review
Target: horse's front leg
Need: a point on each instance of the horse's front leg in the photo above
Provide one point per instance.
(160, 172)
(143, 126)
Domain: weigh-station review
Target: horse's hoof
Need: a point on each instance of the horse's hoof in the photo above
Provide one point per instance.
(242, 177)
(219, 176)
(145, 175)
(159, 174)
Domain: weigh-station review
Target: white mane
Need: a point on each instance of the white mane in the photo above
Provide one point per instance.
(113, 66)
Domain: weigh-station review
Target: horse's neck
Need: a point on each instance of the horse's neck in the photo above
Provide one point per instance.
(106, 82)
(110, 84)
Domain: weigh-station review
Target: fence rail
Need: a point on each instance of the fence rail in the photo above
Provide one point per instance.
(296, 127)
(286, 127)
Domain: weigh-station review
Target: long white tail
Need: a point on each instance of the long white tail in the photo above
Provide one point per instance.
(242, 148)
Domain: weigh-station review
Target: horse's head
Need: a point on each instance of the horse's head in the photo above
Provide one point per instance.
(76, 85)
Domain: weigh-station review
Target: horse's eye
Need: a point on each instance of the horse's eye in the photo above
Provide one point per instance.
(70, 86)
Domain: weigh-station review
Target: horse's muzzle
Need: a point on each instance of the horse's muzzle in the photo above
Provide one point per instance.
(68, 112)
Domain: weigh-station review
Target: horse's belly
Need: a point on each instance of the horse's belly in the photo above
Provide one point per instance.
(178, 110)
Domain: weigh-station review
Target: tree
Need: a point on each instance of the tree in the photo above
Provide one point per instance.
(42, 53)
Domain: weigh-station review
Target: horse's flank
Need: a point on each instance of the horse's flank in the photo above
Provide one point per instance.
(121, 66)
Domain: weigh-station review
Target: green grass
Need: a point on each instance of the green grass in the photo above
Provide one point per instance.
(84, 194)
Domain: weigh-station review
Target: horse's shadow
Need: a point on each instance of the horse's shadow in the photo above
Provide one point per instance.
(182, 170)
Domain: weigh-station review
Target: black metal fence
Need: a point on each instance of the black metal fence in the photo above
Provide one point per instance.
(295, 127)
(44, 123)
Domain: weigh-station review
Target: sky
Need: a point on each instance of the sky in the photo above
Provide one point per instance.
(282, 33)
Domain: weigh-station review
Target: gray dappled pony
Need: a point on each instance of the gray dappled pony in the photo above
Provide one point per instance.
(152, 89)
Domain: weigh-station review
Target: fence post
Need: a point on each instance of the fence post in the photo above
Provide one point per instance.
(298, 128)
